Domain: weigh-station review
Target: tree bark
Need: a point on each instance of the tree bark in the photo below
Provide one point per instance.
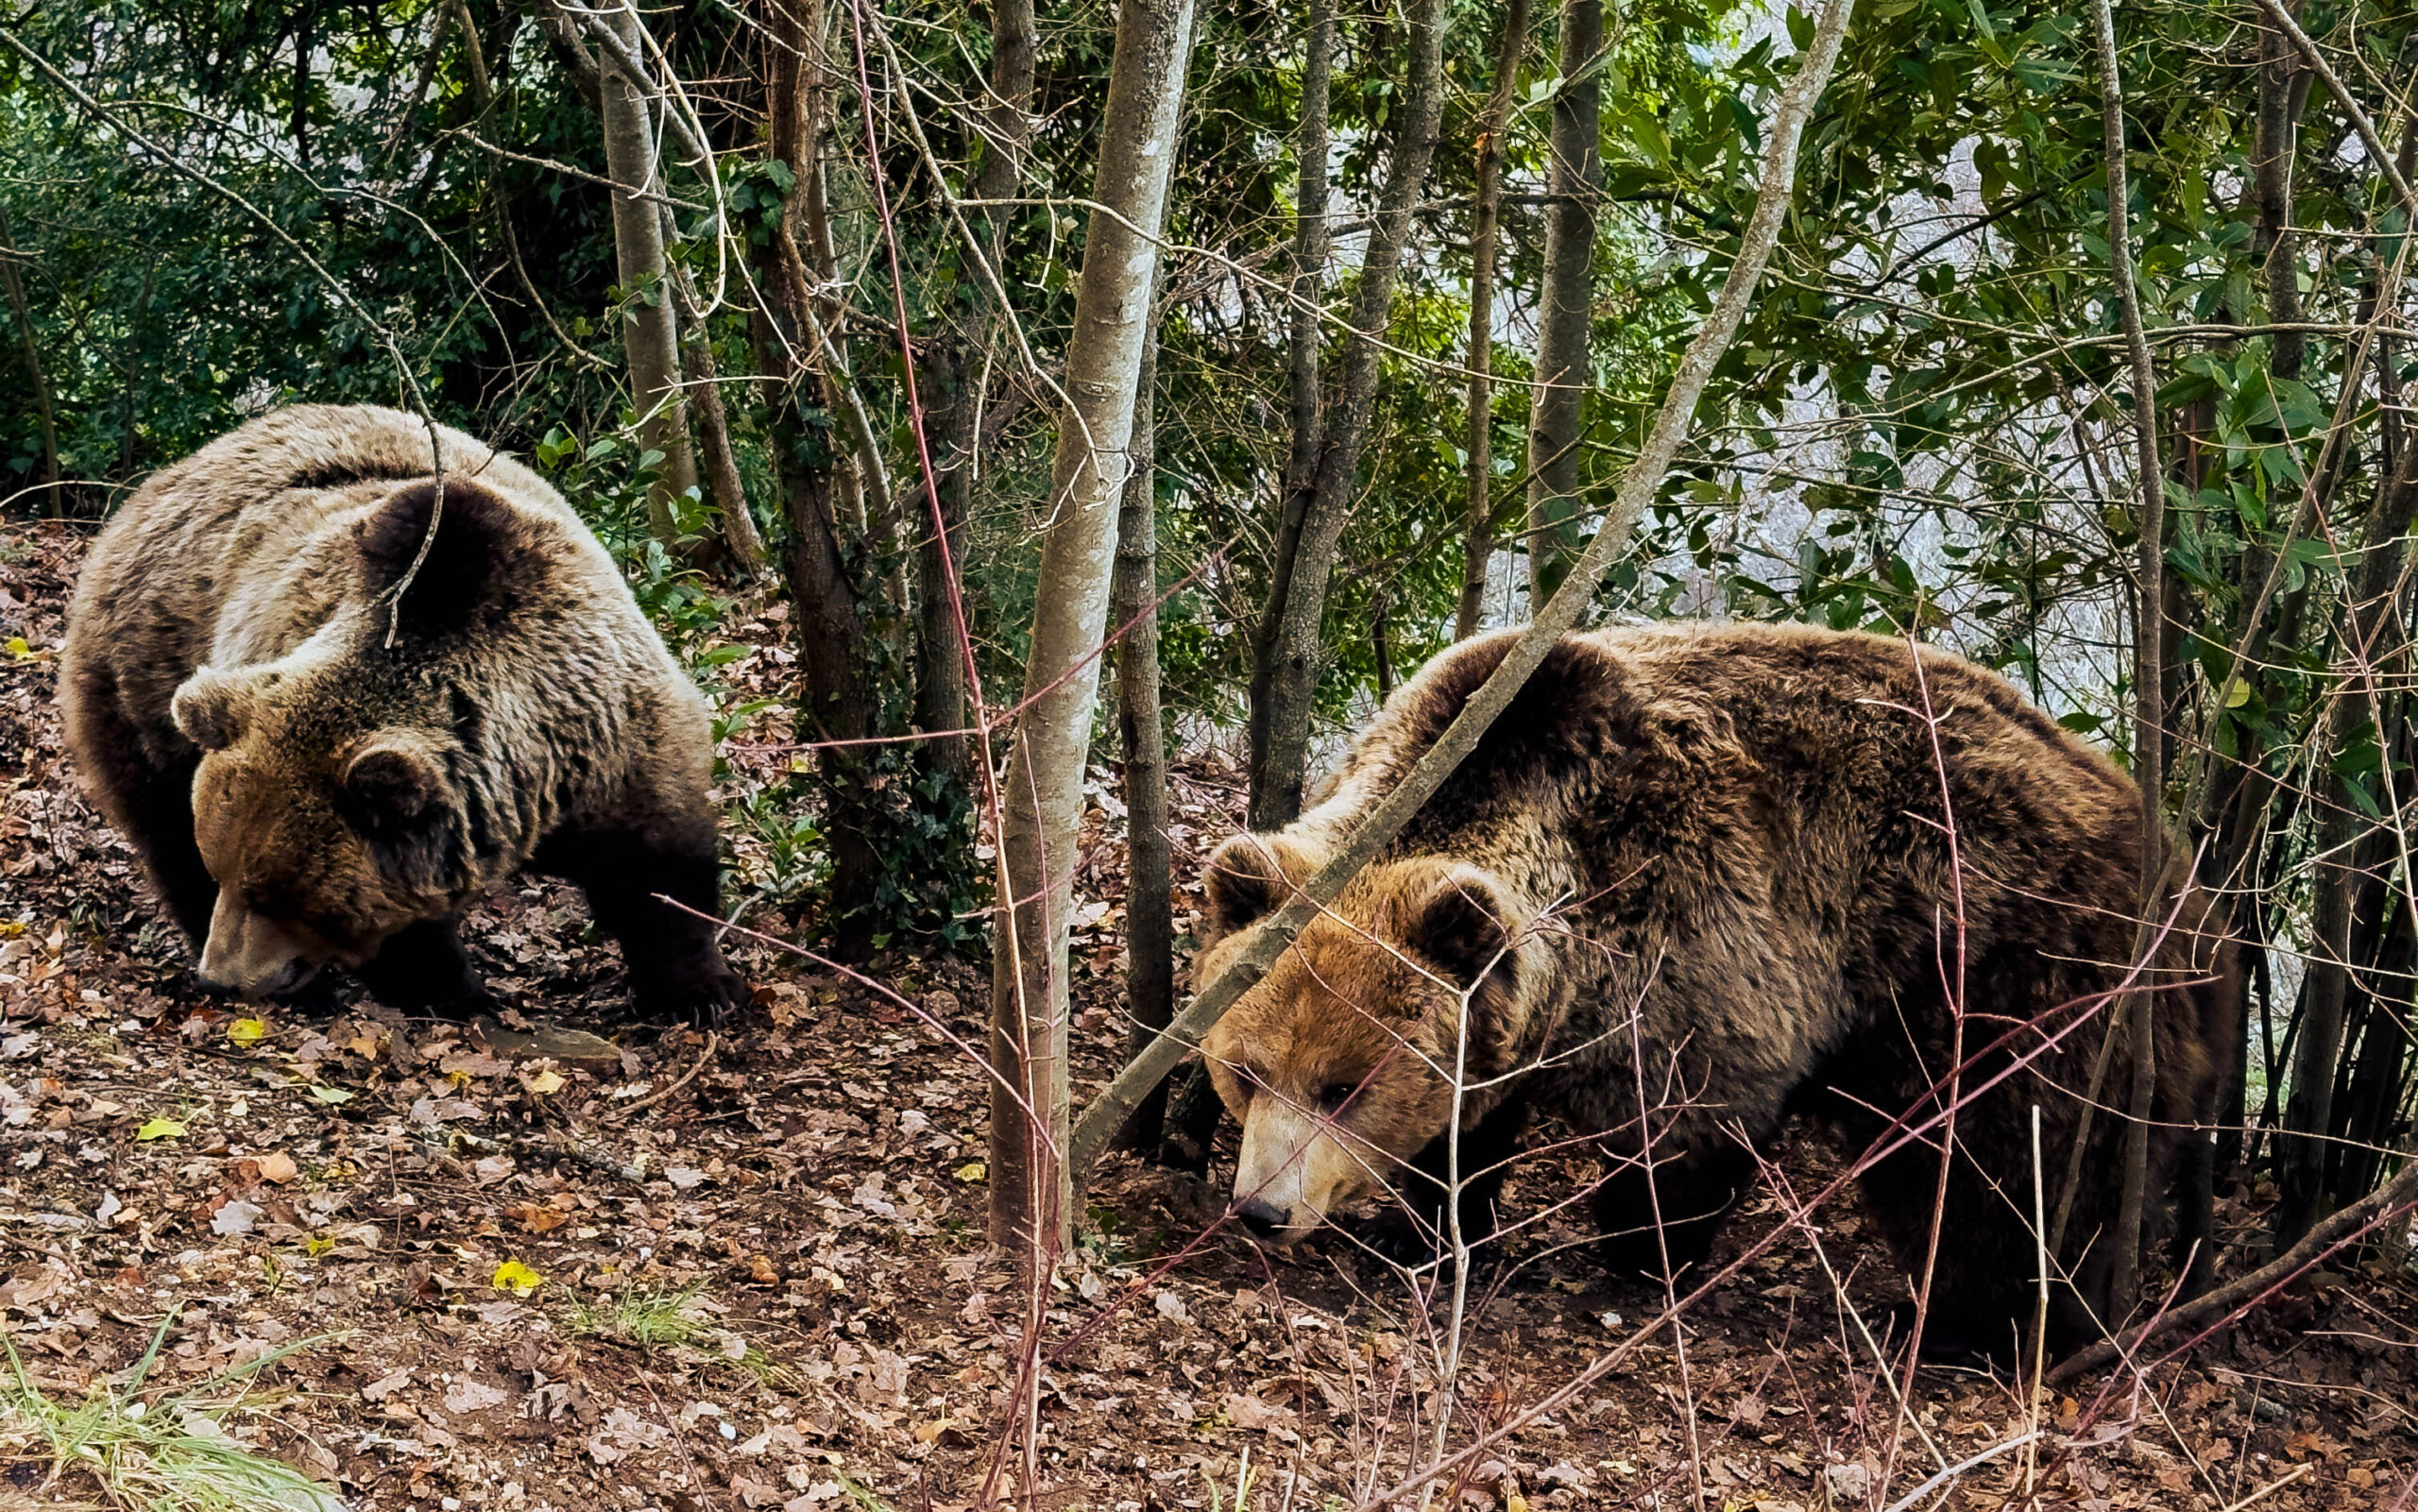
(1484, 217)
(1149, 918)
(649, 333)
(1289, 651)
(2372, 648)
(1565, 322)
(2149, 679)
(1638, 487)
(1306, 385)
(1310, 197)
(940, 688)
(1031, 1201)
(832, 636)
(22, 314)
(723, 485)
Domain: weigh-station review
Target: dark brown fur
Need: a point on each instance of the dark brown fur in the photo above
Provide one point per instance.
(1704, 871)
(308, 787)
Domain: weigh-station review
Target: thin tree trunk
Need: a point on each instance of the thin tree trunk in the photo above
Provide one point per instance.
(831, 636)
(722, 484)
(1565, 322)
(649, 335)
(1031, 1201)
(1310, 199)
(2371, 646)
(1289, 651)
(1150, 921)
(22, 316)
(1310, 149)
(1484, 217)
(2149, 680)
(940, 689)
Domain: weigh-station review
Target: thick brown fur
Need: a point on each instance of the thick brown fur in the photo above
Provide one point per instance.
(1705, 871)
(318, 772)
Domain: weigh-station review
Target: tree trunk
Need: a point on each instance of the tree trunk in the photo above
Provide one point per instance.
(1288, 651)
(1031, 1201)
(1557, 419)
(1484, 216)
(650, 335)
(22, 316)
(1310, 198)
(2149, 679)
(723, 485)
(1310, 151)
(940, 686)
(2371, 649)
(1150, 921)
(832, 641)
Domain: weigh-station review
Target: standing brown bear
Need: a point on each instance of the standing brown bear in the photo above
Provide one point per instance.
(1705, 871)
(317, 769)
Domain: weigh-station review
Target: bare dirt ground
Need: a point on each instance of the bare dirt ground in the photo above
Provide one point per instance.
(750, 1272)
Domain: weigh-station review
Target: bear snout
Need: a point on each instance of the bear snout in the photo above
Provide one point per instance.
(251, 957)
(1266, 1221)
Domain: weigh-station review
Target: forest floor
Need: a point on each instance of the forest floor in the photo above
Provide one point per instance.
(749, 1272)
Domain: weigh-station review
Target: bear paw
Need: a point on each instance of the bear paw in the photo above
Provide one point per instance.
(699, 1002)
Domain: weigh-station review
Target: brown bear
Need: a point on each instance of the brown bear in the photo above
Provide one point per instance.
(319, 769)
(1705, 871)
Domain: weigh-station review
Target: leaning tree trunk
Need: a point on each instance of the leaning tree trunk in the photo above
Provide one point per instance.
(941, 676)
(649, 335)
(1557, 419)
(1150, 921)
(1487, 210)
(1031, 1199)
(722, 484)
(1288, 654)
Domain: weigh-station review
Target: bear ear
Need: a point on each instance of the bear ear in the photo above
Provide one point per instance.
(394, 779)
(1248, 879)
(480, 546)
(211, 708)
(1464, 927)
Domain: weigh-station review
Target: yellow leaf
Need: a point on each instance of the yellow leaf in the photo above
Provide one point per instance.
(546, 1081)
(2240, 694)
(972, 1171)
(18, 648)
(247, 1030)
(518, 1279)
(331, 1094)
(1515, 1503)
(160, 1128)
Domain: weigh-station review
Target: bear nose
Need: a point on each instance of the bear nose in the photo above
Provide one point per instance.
(1264, 1220)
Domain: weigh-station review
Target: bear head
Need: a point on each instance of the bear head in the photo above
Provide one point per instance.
(332, 803)
(1340, 1063)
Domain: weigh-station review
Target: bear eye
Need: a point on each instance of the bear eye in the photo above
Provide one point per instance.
(1335, 1094)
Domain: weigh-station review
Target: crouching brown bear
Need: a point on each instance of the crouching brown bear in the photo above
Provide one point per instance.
(1706, 871)
(326, 728)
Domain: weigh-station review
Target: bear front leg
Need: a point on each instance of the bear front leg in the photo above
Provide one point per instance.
(1690, 1196)
(158, 819)
(1415, 1229)
(678, 974)
(424, 968)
